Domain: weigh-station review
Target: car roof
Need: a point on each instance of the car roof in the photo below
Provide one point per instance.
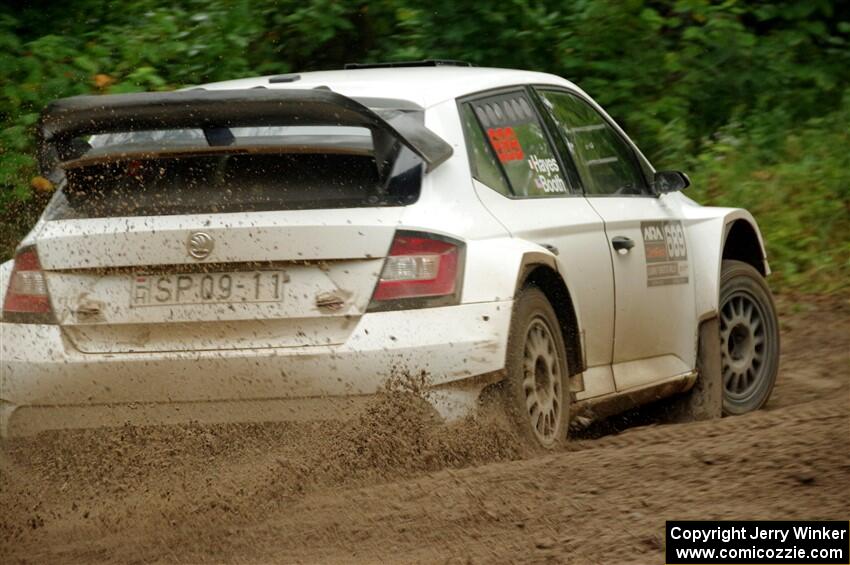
(425, 86)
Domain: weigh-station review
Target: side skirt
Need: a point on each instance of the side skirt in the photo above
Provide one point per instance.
(616, 402)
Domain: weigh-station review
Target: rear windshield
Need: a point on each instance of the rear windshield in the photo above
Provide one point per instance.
(187, 171)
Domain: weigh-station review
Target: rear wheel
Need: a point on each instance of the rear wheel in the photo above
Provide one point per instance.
(749, 338)
(537, 389)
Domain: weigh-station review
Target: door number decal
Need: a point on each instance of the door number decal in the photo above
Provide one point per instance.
(666, 253)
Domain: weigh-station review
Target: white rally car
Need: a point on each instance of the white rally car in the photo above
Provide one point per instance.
(278, 247)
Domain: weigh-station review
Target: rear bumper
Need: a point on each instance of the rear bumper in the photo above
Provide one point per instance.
(45, 383)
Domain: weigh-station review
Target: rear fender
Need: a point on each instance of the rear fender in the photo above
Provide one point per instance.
(497, 268)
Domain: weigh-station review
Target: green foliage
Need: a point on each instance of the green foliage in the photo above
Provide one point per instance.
(746, 94)
(800, 192)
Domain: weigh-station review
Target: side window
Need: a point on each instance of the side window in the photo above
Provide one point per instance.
(516, 137)
(485, 168)
(606, 162)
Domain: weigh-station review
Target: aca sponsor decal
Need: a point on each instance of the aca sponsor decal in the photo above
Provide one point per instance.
(666, 253)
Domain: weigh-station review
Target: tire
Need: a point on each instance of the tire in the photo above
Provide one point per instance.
(749, 338)
(537, 392)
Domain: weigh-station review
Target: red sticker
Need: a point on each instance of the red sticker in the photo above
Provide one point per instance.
(506, 144)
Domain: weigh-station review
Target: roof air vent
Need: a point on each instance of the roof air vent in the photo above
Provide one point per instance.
(422, 63)
(291, 77)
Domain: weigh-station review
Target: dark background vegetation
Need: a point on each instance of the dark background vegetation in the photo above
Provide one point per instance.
(751, 98)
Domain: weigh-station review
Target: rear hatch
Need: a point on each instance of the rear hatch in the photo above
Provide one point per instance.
(225, 233)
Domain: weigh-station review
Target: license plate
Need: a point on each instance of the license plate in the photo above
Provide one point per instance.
(206, 288)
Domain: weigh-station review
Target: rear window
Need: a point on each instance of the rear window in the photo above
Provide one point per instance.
(518, 140)
(485, 168)
(191, 171)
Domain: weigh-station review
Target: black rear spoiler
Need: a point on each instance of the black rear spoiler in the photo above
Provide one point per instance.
(68, 119)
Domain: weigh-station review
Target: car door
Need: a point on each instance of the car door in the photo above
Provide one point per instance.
(522, 181)
(655, 319)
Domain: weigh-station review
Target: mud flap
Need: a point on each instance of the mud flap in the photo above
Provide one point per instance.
(705, 399)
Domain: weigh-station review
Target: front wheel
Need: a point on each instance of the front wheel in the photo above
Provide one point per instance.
(749, 338)
(537, 388)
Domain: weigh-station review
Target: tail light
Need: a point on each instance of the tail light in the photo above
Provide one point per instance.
(421, 270)
(26, 298)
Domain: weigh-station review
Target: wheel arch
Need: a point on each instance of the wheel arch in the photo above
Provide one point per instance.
(742, 242)
(541, 271)
(715, 234)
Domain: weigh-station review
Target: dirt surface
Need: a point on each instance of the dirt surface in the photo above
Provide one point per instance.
(396, 486)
